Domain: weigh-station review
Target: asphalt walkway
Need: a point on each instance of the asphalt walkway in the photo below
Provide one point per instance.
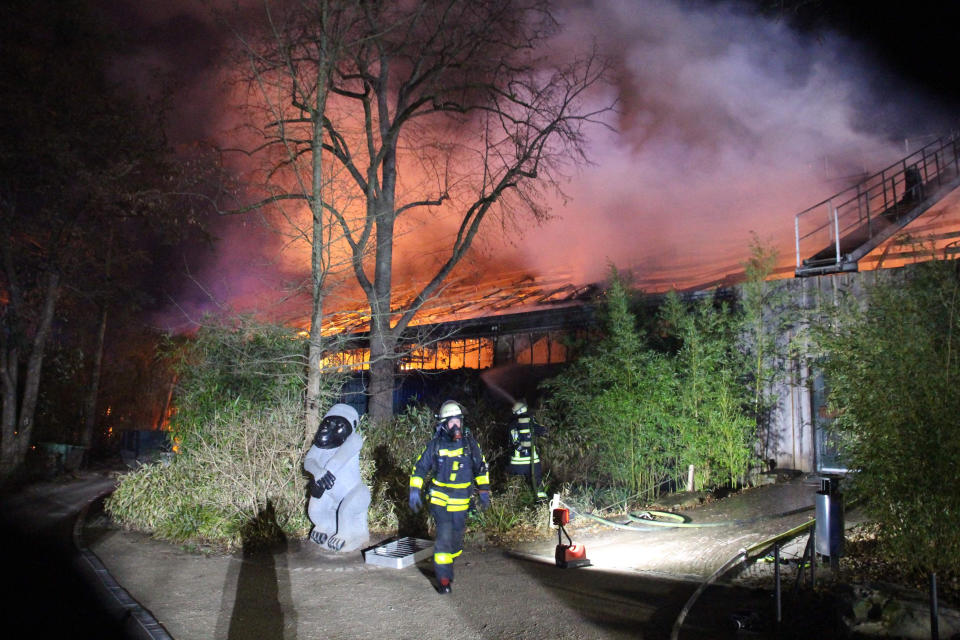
(637, 584)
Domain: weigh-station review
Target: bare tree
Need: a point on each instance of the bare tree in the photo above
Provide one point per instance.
(289, 59)
(452, 108)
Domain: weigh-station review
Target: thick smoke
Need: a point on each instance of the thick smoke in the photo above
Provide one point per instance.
(728, 123)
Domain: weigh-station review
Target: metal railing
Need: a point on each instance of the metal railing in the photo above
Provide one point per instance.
(835, 233)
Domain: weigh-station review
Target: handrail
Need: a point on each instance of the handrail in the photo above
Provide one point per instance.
(863, 213)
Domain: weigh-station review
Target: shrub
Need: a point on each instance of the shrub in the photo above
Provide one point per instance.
(713, 432)
(392, 449)
(240, 428)
(634, 410)
(893, 372)
(611, 408)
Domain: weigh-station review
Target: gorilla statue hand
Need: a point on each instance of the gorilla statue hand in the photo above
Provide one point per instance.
(327, 480)
(316, 489)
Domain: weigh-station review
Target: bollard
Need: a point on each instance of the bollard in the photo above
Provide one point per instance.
(829, 528)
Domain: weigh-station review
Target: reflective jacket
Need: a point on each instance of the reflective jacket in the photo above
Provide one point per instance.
(522, 430)
(456, 466)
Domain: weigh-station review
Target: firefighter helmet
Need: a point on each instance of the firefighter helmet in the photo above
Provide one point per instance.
(519, 408)
(451, 419)
(450, 409)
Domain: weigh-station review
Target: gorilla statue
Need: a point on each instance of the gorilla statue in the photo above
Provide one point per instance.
(338, 498)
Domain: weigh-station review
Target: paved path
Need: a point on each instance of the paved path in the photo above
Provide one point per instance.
(696, 553)
(636, 587)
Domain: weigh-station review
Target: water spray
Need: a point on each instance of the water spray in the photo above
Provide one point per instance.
(487, 378)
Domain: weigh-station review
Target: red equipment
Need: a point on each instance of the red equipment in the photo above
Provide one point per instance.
(568, 556)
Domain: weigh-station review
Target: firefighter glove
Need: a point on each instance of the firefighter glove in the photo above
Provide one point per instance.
(415, 502)
(484, 500)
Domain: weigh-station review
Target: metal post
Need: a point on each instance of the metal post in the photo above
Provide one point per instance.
(807, 550)
(813, 557)
(883, 184)
(796, 235)
(934, 614)
(776, 575)
(859, 209)
(836, 232)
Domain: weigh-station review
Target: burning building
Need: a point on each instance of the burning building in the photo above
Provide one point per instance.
(517, 319)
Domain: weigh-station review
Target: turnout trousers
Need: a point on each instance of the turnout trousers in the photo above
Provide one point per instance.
(449, 543)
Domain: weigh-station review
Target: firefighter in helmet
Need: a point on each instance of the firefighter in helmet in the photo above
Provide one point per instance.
(454, 461)
(524, 460)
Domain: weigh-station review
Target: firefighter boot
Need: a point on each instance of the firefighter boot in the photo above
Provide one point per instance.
(444, 587)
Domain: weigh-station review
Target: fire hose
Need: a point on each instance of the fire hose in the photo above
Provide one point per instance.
(650, 519)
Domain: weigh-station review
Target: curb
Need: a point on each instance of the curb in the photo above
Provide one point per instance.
(135, 620)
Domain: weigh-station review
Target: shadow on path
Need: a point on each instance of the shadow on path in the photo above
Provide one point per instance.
(262, 606)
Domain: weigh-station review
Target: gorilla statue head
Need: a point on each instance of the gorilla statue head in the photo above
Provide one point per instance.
(336, 426)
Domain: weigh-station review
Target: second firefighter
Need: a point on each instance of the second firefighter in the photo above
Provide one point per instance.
(524, 459)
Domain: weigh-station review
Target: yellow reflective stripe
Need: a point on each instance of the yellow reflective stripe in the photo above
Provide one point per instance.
(438, 501)
(445, 558)
(458, 501)
(451, 485)
(458, 507)
(484, 479)
(451, 453)
(416, 482)
(439, 494)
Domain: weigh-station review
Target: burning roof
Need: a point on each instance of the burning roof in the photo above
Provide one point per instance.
(468, 298)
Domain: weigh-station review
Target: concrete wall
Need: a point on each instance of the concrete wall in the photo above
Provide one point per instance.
(790, 441)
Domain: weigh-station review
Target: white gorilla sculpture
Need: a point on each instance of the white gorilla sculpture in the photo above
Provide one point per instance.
(338, 498)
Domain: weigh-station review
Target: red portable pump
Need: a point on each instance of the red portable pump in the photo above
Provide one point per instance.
(568, 556)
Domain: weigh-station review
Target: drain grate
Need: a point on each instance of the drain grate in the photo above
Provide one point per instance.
(399, 552)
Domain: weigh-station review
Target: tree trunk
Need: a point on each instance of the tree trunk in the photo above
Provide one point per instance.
(90, 402)
(380, 391)
(17, 440)
(9, 375)
(318, 266)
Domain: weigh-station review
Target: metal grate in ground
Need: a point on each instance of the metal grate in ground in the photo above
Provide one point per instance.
(398, 553)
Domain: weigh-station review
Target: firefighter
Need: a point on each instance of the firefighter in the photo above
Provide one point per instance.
(525, 461)
(456, 464)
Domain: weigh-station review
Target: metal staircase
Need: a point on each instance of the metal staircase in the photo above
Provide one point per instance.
(839, 231)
